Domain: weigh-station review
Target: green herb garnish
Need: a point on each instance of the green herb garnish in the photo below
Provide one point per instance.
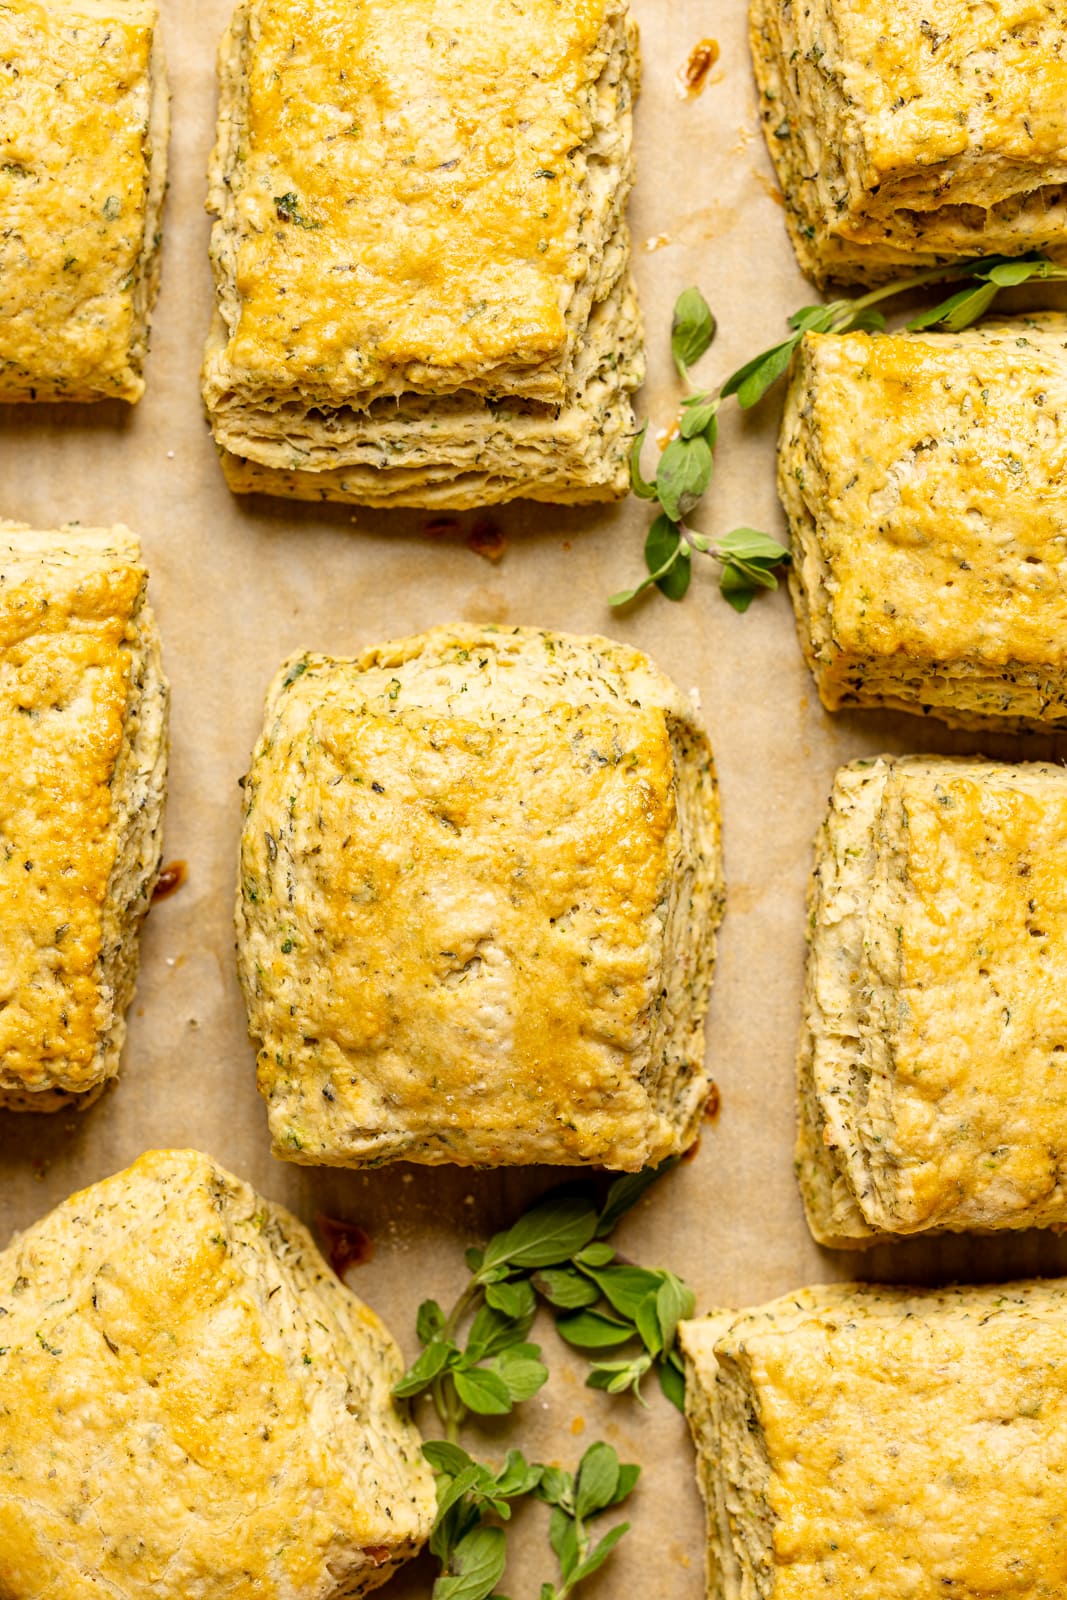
(749, 559)
(472, 1550)
(557, 1250)
(287, 207)
(477, 1358)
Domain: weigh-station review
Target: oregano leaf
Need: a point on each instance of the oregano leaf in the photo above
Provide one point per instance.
(422, 1372)
(596, 1480)
(684, 474)
(624, 1193)
(749, 544)
(699, 415)
(639, 484)
(692, 329)
(429, 1320)
(599, 1553)
(593, 1330)
(1009, 274)
(477, 1564)
(482, 1391)
(546, 1236)
(565, 1288)
(751, 382)
(672, 1382)
(516, 1300)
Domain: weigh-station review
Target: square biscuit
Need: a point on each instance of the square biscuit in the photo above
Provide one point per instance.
(192, 1402)
(870, 1443)
(83, 748)
(912, 132)
(479, 885)
(83, 148)
(935, 1015)
(923, 475)
(421, 257)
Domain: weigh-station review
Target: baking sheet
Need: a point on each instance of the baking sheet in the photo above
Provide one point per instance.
(238, 584)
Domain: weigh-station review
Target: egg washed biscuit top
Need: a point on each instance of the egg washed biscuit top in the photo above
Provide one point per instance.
(191, 1403)
(979, 91)
(412, 203)
(916, 130)
(479, 883)
(82, 153)
(866, 1443)
(82, 754)
(937, 1002)
(924, 477)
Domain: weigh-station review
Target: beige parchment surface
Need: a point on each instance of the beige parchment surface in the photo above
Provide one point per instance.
(238, 584)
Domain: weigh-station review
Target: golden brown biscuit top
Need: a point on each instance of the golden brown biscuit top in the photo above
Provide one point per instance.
(164, 1397)
(940, 80)
(974, 953)
(75, 96)
(64, 684)
(464, 889)
(410, 181)
(943, 468)
(917, 1443)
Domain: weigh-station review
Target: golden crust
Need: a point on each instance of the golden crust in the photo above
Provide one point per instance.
(83, 126)
(83, 710)
(923, 477)
(425, 183)
(192, 1403)
(444, 228)
(914, 132)
(869, 1442)
(935, 1016)
(479, 886)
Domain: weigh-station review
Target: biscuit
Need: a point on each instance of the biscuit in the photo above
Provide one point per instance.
(935, 1014)
(871, 1442)
(479, 883)
(906, 134)
(83, 750)
(83, 151)
(191, 1402)
(423, 285)
(923, 476)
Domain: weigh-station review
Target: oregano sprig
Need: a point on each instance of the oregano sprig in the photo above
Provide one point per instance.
(601, 1482)
(749, 559)
(472, 1547)
(478, 1358)
(557, 1250)
(472, 1550)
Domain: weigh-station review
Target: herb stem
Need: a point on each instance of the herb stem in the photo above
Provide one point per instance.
(916, 280)
(447, 1404)
(582, 1539)
(437, 1393)
(454, 1415)
(460, 1309)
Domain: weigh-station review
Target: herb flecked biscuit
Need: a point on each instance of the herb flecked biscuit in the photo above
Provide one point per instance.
(924, 477)
(479, 885)
(192, 1403)
(908, 132)
(83, 750)
(83, 148)
(421, 253)
(935, 1017)
(870, 1443)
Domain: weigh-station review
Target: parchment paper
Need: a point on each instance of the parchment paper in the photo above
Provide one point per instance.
(238, 584)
